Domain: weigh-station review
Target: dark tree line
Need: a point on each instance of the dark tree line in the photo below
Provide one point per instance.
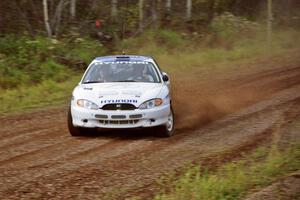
(57, 18)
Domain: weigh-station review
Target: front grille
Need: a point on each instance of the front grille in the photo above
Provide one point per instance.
(115, 106)
(118, 122)
(118, 116)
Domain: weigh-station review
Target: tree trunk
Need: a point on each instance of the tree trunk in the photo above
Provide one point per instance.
(58, 15)
(73, 9)
(211, 10)
(154, 14)
(25, 17)
(46, 18)
(168, 5)
(141, 15)
(188, 9)
(114, 10)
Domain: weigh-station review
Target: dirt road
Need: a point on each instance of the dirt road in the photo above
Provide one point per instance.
(216, 120)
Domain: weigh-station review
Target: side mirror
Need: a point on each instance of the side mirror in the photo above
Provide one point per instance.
(165, 78)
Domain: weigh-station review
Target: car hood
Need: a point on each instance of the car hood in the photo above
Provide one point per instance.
(106, 93)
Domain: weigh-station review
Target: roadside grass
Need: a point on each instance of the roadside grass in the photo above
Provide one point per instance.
(27, 61)
(47, 93)
(233, 180)
(41, 72)
(177, 54)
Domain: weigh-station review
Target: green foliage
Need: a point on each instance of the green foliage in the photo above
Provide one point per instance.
(130, 16)
(25, 61)
(155, 42)
(82, 49)
(169, 39)
(228, 28)
(233, 180)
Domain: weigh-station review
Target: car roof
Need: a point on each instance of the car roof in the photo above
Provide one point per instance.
(123, 57)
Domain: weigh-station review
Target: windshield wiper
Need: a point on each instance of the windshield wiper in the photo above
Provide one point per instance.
(86, 82)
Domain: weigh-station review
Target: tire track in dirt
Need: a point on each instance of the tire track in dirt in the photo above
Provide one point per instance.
(58, 151)
(189, 150)
(50, 164)
(248, 141)
(26, 138)
(201, 144)
(29, 122)
(77, 161)
(267, 74)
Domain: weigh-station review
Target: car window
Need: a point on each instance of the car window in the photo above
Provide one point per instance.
(122, 72)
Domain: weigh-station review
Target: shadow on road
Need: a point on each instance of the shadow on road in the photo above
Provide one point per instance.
(122, 134)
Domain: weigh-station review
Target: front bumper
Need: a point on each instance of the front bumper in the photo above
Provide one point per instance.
(120, 118)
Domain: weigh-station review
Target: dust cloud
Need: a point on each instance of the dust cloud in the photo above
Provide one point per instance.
(196, 105)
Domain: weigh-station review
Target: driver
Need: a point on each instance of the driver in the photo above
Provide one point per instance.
(141, 74)
(104, 74)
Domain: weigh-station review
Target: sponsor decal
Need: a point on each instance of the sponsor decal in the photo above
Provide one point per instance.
(118, 101)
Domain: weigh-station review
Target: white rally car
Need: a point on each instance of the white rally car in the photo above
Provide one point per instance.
(122, 92)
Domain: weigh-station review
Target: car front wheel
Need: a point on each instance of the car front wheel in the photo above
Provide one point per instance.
(167, 130)
(74, 131)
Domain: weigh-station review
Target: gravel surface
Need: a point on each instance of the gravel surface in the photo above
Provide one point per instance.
(40, 160)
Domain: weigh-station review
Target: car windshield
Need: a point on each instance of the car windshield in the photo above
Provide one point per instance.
(101, 72)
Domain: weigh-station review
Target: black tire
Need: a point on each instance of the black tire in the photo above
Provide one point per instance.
(168, 129)
(74, 131)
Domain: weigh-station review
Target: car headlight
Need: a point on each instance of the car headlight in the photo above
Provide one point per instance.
(87, 104)
(151, 104)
